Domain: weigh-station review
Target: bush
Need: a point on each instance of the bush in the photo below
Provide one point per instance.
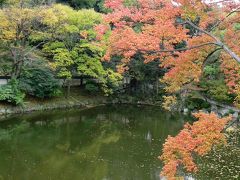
(39, 82)
(91, 88)
(218, 90)
(11, 93)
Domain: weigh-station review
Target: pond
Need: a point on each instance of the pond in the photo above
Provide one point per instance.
(102, 143)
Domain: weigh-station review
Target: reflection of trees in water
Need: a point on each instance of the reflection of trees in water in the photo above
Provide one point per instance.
(148, 137)
(116, 142)
(59, 156)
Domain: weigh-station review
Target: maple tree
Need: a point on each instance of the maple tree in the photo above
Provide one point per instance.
(196, 139)
(181, 34)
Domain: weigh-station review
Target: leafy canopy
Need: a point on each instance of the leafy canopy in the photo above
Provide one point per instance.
(198, 138)
(156, 29)
(74, 47)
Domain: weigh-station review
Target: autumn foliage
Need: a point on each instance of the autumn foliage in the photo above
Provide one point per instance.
(154, 29)
(196, 139)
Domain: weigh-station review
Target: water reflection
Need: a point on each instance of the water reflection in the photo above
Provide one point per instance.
(110, 142)
(149, 137)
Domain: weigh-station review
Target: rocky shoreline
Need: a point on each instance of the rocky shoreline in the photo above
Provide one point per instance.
(91, 101)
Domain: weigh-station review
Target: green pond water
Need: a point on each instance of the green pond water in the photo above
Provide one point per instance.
(103, 143)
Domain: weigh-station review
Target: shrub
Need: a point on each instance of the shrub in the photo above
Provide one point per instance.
(11, 93)
(217, 90)
(39, 82)
(91, 88)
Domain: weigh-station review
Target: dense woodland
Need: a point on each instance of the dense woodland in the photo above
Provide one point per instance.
(181, 53)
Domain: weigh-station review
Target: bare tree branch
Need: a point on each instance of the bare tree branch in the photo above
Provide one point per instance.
(217, 41)
(33, 48)
(182, 49)
(221, 21)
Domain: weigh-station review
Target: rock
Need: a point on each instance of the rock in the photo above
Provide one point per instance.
(214, 108)
(235, 115)
(2, 111)
(8, 111)
(223, 111)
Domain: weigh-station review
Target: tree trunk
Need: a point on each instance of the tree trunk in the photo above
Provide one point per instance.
(81, 82)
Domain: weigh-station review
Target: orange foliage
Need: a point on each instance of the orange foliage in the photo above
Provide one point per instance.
(153, 29)
(231, 68)
(187, 66)
(149, 27)
(193, 139)
(142, 27)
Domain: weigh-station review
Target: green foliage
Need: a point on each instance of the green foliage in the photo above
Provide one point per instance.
(63, 62)
(130, 3)
(91, 87)
(52, 46)
(11, 93)
(98, 5)
(237, 26)
(74, 54)
(144, 71)
(2, 2)
(196, 103)
(110, 81)
(88, 60)
(5, 61)
(83, 3)
(218, 90)
(211, 70)
(39, 82)
(26, 3)
(7, 134)
(75, 51)
(214, 84)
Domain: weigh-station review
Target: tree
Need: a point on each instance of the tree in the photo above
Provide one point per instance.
(25, 3)
(19, 26)
(39, 81)
(83, 3)
(2, 2)
(73, 46)
(16, 27)
(196, 139)
(157, 28)
(86, 4)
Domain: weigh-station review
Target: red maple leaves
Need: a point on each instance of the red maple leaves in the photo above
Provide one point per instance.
(193, 139)
(153, 28)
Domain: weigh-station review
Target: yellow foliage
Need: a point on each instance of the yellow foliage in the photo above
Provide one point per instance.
(12, 19)
(169, 102)
(55, 15)
(237, 98)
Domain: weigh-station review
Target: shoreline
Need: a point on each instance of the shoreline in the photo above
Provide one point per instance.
(35, 105)
(77, 100)
(62, 103)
